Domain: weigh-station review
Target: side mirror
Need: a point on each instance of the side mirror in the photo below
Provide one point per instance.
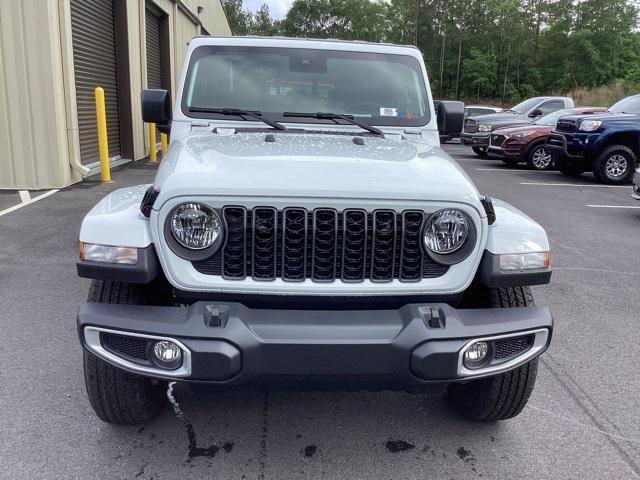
(450, 116)
(156, 108)
(536, 113)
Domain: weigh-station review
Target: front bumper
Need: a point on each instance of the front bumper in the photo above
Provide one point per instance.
(480, 139)
(570, 145)
(228, 344)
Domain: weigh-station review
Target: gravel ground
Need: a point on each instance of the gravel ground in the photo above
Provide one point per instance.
(583, 420)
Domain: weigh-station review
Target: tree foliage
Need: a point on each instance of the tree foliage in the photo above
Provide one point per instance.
(505, 49)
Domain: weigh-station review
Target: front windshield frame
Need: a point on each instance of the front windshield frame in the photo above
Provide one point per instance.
(621, 106)
(391, 121)
(529, 103)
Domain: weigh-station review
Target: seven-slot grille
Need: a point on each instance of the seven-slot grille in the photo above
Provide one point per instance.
(323, 245)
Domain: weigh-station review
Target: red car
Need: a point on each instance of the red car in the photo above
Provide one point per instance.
(525, 143)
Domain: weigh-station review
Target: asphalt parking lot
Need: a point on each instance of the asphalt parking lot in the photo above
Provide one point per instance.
(582, 422)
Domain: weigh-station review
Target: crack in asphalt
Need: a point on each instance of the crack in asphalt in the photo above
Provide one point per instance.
(577, 397)
(194, 450)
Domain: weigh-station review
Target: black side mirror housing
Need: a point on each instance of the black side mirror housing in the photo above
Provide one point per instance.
(536, 113)
(450, 116)
(156, 108)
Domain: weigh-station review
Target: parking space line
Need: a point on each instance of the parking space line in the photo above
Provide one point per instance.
(28, 202)
(541, 184)
(24, 196)
(513, 170)
(613, 206)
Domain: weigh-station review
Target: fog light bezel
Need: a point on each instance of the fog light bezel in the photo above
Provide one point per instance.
(540, 342)
(93, 343)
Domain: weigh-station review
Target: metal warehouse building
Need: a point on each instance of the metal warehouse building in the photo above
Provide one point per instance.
(53, 53)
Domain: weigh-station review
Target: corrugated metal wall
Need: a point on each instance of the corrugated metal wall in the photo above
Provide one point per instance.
(39, 121)
(32, 98)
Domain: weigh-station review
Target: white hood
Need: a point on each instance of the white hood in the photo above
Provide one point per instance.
(312, 166)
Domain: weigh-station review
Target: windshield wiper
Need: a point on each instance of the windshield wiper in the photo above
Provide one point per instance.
(241, 113)
(334, 117)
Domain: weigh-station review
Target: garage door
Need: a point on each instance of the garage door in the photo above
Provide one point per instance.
(94, 58)
(155, 56)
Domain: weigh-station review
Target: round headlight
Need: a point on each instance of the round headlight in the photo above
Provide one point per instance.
(195, 226)
(446, 231)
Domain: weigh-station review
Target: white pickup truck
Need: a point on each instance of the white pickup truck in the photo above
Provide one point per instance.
(306, 229)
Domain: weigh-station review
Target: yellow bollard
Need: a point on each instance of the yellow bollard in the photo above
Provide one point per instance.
(152, 143)
(103, 144)
(163, 144)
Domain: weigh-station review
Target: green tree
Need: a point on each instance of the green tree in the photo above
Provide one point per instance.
(480, 71)
(239, 19)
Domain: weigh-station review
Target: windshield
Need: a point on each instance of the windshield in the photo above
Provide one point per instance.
(524, 107)
(552, 118)
(378, 88)
(627, 105)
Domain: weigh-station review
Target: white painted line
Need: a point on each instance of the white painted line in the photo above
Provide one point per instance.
(24, 204)
(24, 196)
(513, 170)
(612, 206)
(540, 184)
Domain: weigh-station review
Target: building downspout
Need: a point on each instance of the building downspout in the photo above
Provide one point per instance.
(66, 47)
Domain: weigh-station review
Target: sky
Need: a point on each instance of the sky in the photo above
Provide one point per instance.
(277, 8)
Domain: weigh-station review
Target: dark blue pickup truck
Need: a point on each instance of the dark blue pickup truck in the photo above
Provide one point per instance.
(607, 144)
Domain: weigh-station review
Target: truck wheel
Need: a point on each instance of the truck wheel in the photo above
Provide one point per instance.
(538, 158)
(615, 165)
(481, 152)
(502, 396)
(118, 396)
(568, 167)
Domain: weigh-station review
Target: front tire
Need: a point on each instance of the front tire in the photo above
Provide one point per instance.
(538, 158)
(615, 165)
(481, 152)
(502, 396)
(118, 396)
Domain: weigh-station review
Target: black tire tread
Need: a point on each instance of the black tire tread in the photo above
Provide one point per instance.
(600, 162)
(118, 396)
(502, 396)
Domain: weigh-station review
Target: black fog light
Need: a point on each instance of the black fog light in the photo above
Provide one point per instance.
(476, 355)
(167, 354)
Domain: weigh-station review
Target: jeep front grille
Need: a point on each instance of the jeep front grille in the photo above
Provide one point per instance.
(323, 245)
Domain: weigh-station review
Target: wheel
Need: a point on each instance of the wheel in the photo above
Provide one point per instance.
(502, 396)
(481, 152)
(118, 396)
(615, 165)
(538, 158)
(512, 162)
(569, 167)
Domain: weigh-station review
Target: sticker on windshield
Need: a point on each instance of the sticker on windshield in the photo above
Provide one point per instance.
(388, 112)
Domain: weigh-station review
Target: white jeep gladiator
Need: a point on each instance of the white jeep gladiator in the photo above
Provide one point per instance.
(306, 230)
